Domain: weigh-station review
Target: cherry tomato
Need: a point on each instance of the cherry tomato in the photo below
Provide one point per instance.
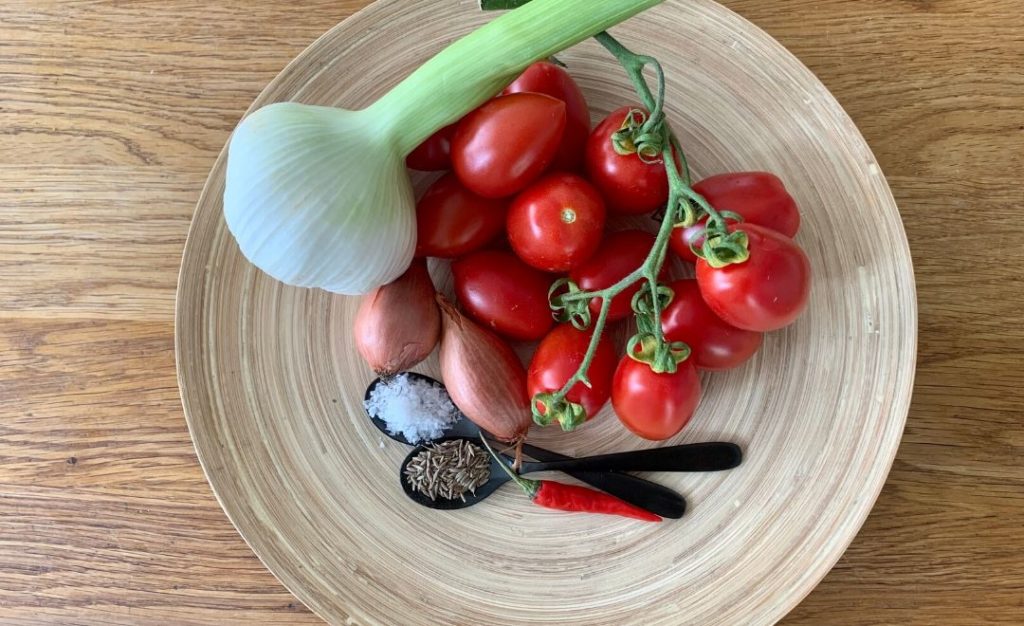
(681, 238)
(715, 345)
(434, 154)
(619, 254)
(507, 142)
(558, 357)
(503, 293)
(628, 184)
(552, 80)
(758, 197)
(654, 406)
(767, 291)
(452, 220)
(556, 223)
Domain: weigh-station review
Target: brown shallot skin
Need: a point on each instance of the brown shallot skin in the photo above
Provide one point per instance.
(485, 378)
(398, 324)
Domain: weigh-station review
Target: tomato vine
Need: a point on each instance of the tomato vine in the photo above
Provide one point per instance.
(650, 136)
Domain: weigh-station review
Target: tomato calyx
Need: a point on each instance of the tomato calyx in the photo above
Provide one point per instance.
(549, 408)
(686, 213)
(647, 309)
(720, 247)
(649, 345)
(641, 135)
(567, 308)
(663, 357)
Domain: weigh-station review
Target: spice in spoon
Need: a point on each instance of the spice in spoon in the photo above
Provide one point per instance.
(413, 407)
(449, 469)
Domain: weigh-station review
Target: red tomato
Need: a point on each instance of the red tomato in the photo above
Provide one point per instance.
(558, 357)
(434, 154)
(504, 294)
(452, 220)
(620, 254)
(767, 291)
(715, 345)
(654, 406)
(758, 197)
(556, 223)
(628, 184)
(681, 238)
(507, 142)
(552, 80)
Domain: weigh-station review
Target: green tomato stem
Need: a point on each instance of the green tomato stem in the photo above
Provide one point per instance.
(634, 65)
(679, 188)
(681, 157)
(608, 292)
(665, 355)
(588, 358)
(656, 260)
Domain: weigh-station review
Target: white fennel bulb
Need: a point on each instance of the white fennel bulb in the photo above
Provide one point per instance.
(320, 197)
(316, 198)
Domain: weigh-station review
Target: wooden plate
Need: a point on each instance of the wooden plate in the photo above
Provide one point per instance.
(272, 387)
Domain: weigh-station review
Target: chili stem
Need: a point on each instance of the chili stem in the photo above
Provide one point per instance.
(527, 485)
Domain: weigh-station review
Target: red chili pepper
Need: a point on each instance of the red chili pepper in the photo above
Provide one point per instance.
(564, 497)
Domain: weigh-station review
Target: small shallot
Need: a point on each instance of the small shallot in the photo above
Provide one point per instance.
(484, 377)
(398, 325)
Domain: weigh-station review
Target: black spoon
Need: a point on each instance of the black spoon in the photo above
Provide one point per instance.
(656, 498)
(693, 457)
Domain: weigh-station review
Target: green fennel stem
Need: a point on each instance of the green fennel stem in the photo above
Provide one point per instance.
(479, 65)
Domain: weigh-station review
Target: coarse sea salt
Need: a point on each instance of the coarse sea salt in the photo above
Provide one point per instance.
(415, 408)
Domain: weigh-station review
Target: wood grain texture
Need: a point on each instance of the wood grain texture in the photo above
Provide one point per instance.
(110, 116)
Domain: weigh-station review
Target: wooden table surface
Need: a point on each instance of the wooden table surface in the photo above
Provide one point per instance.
(111, 114)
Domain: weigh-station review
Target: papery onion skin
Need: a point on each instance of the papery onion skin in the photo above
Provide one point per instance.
(484, 377)
(316, 197)
(398, 325)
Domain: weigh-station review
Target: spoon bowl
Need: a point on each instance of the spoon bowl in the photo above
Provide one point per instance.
(694, 457)
(497, 478)
(461, 428)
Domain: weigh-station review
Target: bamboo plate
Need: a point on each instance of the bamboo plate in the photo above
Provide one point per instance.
(272, 387)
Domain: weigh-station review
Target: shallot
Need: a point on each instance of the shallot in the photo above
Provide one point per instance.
(484, 377)
(398, 325)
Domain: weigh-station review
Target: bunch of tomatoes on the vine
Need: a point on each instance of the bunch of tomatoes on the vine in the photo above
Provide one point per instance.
(526, 211)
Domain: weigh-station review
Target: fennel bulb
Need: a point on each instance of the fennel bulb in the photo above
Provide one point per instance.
(320, 197)
(331, 206)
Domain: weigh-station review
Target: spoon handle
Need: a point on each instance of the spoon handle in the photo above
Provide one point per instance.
(656, 498)
(693, 457)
